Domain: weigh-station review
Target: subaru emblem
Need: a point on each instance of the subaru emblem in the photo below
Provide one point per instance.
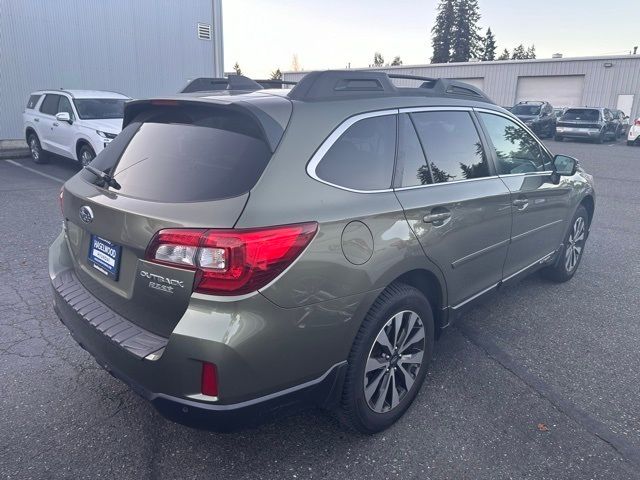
(86, 214)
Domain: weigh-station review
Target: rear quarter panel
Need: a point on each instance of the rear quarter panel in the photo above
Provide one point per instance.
(287, 194)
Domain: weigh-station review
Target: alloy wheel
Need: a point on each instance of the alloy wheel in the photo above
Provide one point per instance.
(575, 245)
(35, 149)
(86, 158)
(394, 361)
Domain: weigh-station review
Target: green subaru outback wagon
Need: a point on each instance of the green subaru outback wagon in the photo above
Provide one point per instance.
(236, 254)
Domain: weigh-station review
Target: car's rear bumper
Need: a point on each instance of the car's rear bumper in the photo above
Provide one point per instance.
(578, 132)
(323, 391)
(269, 360)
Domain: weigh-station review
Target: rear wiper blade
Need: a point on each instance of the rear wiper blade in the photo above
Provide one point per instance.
(106, 178)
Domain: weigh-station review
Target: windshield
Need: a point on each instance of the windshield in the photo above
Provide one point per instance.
(589, 115)
(96, 108)
(526, 110)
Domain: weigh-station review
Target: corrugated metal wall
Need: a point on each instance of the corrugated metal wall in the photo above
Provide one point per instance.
(138, 47)
(602, 84)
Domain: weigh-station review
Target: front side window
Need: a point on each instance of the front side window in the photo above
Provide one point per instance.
(50, 104)
(516, 150)
(65, 106)
(363, 157)
(452, 146)
(99, 108)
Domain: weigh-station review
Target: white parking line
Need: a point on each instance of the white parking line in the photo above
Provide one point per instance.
(51, 177)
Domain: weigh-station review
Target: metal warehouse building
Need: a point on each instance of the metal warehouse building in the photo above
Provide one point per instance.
(136, 47)
(612, 82)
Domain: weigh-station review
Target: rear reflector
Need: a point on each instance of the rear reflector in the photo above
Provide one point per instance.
(209, 379)
(231, 262)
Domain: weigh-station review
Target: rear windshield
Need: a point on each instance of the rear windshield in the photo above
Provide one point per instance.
(97, 108)
(526, 110)
(179, 154)
(587, 114)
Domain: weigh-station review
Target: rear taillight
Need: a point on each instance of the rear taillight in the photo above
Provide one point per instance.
(637, 122)
(231, 262)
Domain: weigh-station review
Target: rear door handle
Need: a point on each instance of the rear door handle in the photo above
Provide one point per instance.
(521, 203)
(55, 124)
(436, 218)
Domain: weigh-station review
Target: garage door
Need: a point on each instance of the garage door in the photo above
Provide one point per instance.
(476, 82)
(560, 91)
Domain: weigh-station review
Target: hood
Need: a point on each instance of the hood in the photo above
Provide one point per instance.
(109, 125)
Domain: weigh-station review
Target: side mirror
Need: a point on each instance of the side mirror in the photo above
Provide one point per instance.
(563, 166)
(63, 117)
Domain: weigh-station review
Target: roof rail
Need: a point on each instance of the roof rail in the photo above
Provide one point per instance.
(232, 82)
(337, 84)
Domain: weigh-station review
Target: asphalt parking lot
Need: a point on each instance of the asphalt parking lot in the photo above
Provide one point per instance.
(540, 381)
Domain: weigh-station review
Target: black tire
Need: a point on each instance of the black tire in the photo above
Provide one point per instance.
(630, 143)
(559, 138)
(86, 155)
(599, 139)
(355, 411)
(38, 155)
(560, 271)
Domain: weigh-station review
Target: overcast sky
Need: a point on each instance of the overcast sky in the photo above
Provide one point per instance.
(263, 35)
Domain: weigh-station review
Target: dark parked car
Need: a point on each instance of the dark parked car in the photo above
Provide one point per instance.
(596, 124)
(237, 254)
(538, 116)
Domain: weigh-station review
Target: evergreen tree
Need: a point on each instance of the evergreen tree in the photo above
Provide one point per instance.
(237, 69)
(505, 55)
(396, 62)
(276, 75)
(531, 52)
(466, 39)
(519, 53)
(489, 47)
(378, 59)
(442, 32)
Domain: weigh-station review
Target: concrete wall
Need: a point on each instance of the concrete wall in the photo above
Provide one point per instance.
(138, 47)
(602, 83)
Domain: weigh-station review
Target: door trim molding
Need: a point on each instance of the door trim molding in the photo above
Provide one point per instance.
(479, 253)
(520, 236)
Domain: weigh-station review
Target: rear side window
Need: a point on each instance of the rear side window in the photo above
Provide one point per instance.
(180, 154)
(411, 169)
(452, 146)
(33, 100)
(50, 104)
(362, 158)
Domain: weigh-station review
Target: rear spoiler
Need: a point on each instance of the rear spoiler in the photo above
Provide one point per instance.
(271, 113)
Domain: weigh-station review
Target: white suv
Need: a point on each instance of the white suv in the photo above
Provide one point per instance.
(76, 124)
